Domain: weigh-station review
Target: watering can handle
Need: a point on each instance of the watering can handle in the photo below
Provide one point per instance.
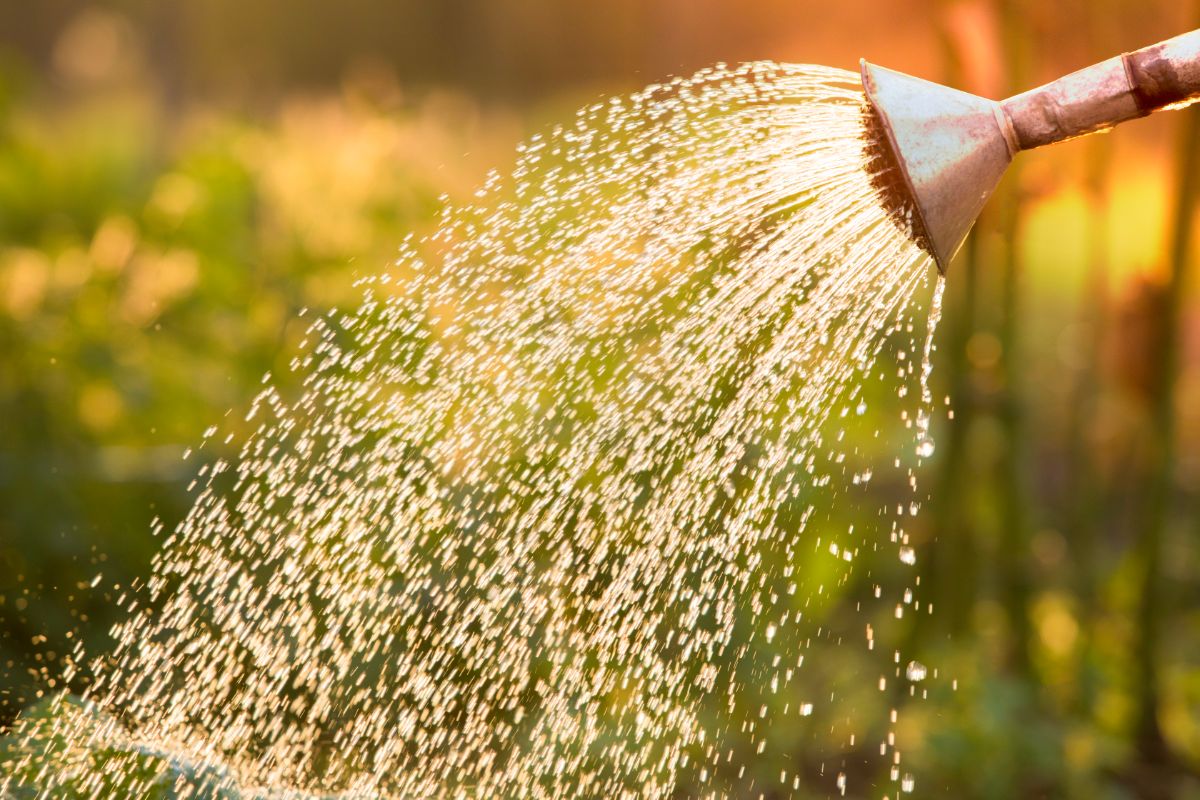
(1132, 85)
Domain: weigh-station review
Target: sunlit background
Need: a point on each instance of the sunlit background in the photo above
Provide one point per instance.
(179, 179)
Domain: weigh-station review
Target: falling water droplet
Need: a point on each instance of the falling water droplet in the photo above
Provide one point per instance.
(458, 491)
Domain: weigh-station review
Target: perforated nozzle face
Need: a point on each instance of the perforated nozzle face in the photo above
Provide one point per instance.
(936, 155)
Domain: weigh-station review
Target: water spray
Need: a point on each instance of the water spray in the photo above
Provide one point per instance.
(944, 151)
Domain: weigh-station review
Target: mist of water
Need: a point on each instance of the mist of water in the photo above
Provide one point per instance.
(531, 527)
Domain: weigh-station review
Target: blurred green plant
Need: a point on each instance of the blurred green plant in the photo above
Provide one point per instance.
(152, 270)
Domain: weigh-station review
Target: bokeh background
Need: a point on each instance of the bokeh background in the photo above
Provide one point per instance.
(179, 179)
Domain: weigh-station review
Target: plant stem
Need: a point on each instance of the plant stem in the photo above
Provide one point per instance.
(1015, 499)
(1084, 499)
(1158, 496)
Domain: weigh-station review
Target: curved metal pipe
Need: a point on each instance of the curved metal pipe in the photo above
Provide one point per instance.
(1097, 98)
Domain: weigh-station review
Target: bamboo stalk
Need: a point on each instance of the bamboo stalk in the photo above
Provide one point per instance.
(957, 566)
(1149, 739)
(1015, 499)
(1084, 499)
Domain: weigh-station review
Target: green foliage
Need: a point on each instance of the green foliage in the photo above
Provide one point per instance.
(151, 272)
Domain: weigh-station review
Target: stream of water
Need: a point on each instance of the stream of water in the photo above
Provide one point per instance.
(551, 514)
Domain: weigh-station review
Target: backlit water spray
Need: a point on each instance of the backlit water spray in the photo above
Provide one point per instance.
(554, 509)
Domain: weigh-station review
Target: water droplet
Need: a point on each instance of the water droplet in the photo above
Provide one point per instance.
(908, 555)
(396, 490)
(915, 671)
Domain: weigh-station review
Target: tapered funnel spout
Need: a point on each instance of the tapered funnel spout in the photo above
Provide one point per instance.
(950, 149)
(938, 153)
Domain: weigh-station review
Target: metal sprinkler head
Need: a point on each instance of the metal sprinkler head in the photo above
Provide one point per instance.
(937, 153)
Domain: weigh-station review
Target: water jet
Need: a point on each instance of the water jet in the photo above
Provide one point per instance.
(943, 151)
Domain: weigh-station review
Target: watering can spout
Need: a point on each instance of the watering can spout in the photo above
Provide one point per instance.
(938, 153)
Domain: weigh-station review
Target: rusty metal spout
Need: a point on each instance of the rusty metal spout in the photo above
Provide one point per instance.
(939, 153)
